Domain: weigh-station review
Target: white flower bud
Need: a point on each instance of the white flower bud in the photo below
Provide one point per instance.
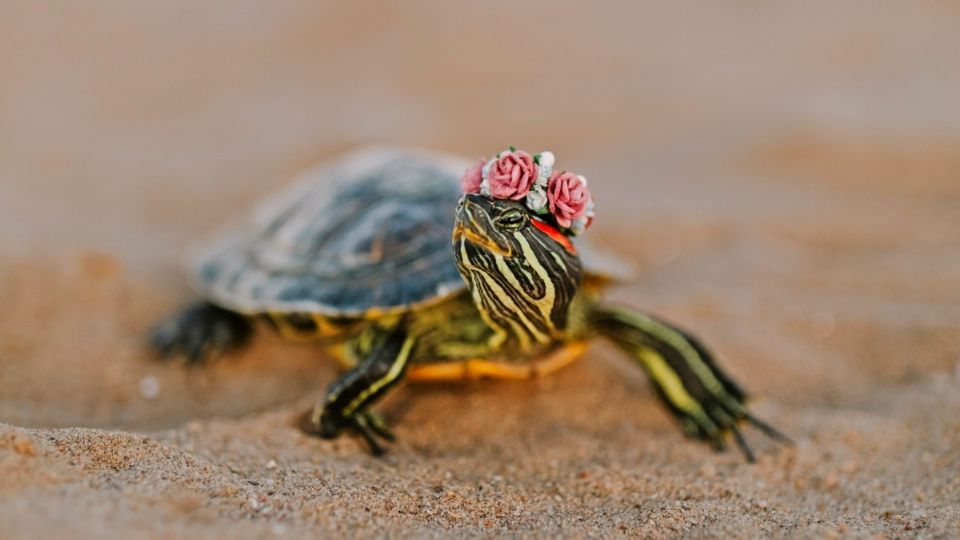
(485, 171)
(545, 164)
(537, 200)
(578, 226)
(485, 183)
(547, 159)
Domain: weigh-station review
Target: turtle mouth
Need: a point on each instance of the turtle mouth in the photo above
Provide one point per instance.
(468, 228)
(460, 232)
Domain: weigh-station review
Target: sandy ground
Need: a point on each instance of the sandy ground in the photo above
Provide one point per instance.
(786, 177)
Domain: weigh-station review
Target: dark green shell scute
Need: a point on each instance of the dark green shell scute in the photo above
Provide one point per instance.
(367, 233)
(371, 232)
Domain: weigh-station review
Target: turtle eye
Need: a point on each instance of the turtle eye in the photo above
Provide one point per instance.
(511, 219)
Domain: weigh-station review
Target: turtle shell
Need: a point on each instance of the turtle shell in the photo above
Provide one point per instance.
(368, 233)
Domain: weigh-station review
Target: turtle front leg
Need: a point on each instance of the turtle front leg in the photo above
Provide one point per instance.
(200, 331)
(706, 401)
(348, 400)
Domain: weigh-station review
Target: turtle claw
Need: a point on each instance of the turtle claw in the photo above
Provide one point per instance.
(362, 425)
(709, 404)
(714, 417)
(199, 332)
(369, 425)
(742, 443)
(715, 426)
(767, 429)
(379, 426)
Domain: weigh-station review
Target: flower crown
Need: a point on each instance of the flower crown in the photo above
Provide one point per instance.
(516, 175)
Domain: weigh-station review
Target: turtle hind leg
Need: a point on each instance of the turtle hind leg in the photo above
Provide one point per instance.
(199, 332)
(708, 403)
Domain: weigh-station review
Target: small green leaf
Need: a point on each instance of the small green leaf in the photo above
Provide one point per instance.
(512, 149)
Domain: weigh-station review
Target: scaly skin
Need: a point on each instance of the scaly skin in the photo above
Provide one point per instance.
(528, 310)
(526, 301)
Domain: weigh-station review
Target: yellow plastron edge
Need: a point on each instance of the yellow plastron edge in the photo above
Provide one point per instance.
(479, 368)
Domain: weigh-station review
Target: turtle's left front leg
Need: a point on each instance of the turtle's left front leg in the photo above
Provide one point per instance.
(348, 400)
(706, 400)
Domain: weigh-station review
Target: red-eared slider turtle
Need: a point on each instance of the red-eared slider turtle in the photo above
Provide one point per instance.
(383, 258)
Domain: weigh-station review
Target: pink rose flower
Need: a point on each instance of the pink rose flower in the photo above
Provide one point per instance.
(512, 175)
(472, 177)
(567, 197)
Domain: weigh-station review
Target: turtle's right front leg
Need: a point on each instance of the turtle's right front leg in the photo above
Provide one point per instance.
(348, 400)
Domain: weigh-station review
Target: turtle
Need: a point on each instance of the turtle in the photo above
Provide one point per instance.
(379, 257)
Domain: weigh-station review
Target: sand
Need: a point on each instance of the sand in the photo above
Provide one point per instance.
(786, 179)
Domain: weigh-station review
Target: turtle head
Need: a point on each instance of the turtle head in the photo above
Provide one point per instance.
(522, 271)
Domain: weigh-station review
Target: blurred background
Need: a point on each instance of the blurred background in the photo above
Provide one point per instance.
(785, 175)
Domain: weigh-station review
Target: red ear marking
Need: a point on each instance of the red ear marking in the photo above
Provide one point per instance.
(555, 234)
